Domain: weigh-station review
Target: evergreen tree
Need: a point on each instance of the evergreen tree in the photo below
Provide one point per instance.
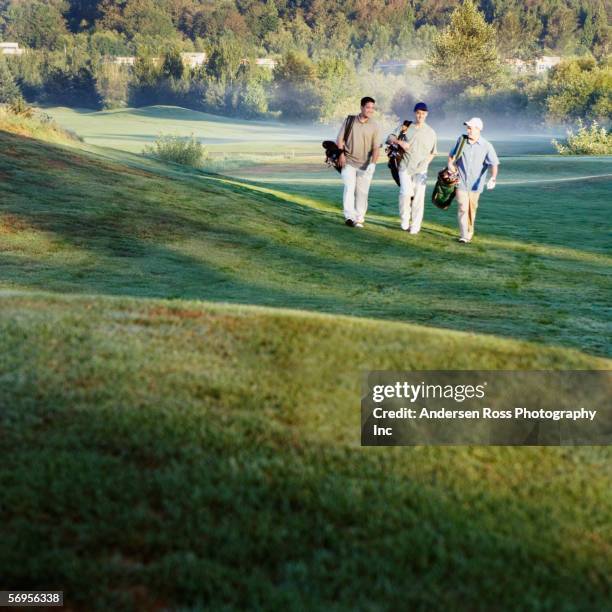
(145, 82)
(173, 64)
(9, 91)
(465, 53)
(146, 17)
(112, 85)
(224, 62)
(560, 31)
(72, 86)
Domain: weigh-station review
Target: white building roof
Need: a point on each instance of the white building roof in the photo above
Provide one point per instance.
(265, 61)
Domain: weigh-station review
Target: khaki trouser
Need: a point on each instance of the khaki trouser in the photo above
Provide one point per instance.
(466, 214)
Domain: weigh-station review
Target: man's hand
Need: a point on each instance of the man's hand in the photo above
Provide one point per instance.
(371, 167)
(491, 183)
(342, 160)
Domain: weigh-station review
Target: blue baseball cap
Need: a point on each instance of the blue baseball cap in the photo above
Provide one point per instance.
(420, 106)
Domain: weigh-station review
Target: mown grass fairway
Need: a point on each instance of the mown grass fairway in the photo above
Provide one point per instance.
(148, 231)
(179, 387)
(131, 129)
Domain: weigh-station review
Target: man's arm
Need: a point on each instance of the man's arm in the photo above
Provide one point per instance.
(404, 144)
(392, 137)
(375, 154)
(400, 143)
(451, 156)
(434, 151)
(340, 137)
(340, 144)
(375, 147)
(492, 161)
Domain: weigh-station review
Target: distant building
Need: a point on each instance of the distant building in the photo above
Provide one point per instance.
(539, 66)
(546, 62)
(193, 59)
(414, 63)
(10, 48)
(518, 65)
(391, 65)
(399, 66)
(266, 62)
(263, 62)
(123, 60)
(130, 60)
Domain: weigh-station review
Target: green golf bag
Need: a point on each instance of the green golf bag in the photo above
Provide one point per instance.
(446, 186)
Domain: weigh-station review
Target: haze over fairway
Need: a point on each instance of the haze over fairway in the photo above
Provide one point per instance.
(131, 129)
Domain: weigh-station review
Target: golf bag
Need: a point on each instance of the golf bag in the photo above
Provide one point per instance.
(446, 186)
(444, 191)
(332, 152)
(395, 153)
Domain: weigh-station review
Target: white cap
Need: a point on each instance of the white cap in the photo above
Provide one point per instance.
(475, 122)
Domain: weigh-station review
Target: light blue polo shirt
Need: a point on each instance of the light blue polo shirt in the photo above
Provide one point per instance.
(474, 163)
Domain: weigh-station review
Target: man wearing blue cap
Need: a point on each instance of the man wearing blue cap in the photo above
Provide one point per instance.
(419, 144)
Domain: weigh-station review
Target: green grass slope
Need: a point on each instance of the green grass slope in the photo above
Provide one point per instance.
(146, 231)
(540, 200)
(160, 453)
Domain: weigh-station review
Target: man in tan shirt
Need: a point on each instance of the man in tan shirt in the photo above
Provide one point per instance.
(358, 161)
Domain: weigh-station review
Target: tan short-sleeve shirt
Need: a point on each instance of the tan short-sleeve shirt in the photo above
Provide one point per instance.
(364, 137)
(423, 143)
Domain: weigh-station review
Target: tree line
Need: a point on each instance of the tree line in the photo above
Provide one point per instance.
(326, 51)
(361, 31)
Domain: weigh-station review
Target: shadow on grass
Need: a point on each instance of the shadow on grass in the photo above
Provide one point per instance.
(119, 230)
(159, 491)
(119, 524)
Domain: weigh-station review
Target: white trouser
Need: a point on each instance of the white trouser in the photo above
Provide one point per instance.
(356, 187)
(412, 200)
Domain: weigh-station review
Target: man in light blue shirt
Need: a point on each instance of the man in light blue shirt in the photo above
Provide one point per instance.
(476, 157)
